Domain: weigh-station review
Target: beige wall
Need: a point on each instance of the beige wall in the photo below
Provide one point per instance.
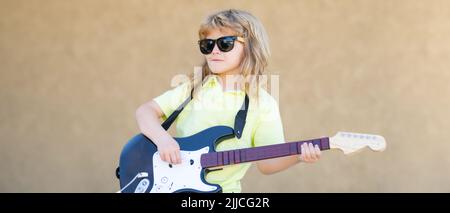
(72, 74)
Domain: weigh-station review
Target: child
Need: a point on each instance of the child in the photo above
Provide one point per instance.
(235, 46)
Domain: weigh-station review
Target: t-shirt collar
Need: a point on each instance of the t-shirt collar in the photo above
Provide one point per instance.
(213, 82)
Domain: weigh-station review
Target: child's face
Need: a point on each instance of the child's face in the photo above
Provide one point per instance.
(224, 62)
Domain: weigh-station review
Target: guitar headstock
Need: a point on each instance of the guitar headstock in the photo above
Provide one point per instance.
(350, 142)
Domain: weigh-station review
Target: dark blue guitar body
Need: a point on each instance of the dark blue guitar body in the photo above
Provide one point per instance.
(137, 164)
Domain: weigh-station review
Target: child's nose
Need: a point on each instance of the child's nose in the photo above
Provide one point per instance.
(216, 50)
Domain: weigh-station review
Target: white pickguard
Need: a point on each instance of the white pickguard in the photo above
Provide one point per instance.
(180, 176)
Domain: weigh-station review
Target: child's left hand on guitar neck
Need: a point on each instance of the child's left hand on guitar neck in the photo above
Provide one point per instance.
(310, 154)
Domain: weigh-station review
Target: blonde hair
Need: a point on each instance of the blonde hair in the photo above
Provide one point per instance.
(256, 46)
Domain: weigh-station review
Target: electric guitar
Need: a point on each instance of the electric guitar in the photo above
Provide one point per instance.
(143, 171)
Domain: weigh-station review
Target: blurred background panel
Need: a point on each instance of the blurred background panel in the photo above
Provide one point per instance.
(72, 74)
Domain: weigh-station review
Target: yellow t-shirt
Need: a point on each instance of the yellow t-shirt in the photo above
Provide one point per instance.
(213, 107)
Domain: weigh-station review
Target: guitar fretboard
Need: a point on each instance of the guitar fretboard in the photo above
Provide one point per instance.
(230, 157)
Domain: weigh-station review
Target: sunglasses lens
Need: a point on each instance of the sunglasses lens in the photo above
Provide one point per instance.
(206, 46)
(225, 44)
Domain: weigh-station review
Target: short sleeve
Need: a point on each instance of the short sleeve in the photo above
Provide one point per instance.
(170, 100)
(269, 127)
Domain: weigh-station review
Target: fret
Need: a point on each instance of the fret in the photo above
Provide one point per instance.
(248, 155)
(231, 156)
(300, 143)
(317, 142)
(325, 143)
(293, 148)
(243, 157)
(237, 156)
(219, 158)
(215, 159)
(225, 158)
(299, 147)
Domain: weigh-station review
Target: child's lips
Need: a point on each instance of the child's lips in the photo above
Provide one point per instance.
(216, 60)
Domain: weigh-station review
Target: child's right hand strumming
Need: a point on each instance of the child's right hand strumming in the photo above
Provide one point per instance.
(148, 116)
(169, 151)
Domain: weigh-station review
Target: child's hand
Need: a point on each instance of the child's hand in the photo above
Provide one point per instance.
(169, 151)
(310, 153)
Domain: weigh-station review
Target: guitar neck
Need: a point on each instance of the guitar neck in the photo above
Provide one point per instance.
(214, 159)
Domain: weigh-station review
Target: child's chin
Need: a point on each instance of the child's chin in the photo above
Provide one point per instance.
(218, 71)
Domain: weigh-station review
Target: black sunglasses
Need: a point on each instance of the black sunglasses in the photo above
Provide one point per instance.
(225, 44)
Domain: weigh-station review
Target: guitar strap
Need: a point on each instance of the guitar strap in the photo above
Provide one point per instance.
(239, 120)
